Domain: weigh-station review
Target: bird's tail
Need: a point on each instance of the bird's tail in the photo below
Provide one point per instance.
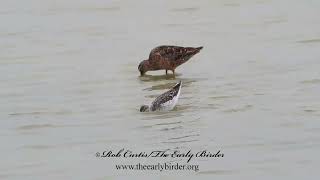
(199, 48)
(192, 51)
(177, 86)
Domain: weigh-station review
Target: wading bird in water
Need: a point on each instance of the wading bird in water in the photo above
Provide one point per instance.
(166, 101)
(167, 58)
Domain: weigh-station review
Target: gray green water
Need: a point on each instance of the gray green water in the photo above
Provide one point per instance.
(69, 87)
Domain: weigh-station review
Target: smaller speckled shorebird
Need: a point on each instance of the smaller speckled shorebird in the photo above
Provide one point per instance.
(167, 58)
(166, 101)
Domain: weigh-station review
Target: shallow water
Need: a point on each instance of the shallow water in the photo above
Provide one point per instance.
(70, 87)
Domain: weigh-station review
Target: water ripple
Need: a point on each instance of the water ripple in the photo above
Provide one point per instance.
(186, 9)
(308, 41)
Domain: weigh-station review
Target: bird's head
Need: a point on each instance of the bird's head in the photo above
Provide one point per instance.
(144, 108)
(143, 67)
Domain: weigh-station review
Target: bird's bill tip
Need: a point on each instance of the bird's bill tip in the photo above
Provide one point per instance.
(142, 73)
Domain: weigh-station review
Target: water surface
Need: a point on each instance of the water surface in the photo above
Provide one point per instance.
(69, 87)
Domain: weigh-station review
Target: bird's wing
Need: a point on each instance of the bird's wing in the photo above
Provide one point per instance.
(162, 99)
(170, 53)
(167, 96)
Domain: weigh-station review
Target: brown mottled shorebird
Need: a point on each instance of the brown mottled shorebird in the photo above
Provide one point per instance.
(167, 58)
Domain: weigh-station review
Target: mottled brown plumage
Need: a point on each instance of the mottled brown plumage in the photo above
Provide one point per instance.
(167, 58)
